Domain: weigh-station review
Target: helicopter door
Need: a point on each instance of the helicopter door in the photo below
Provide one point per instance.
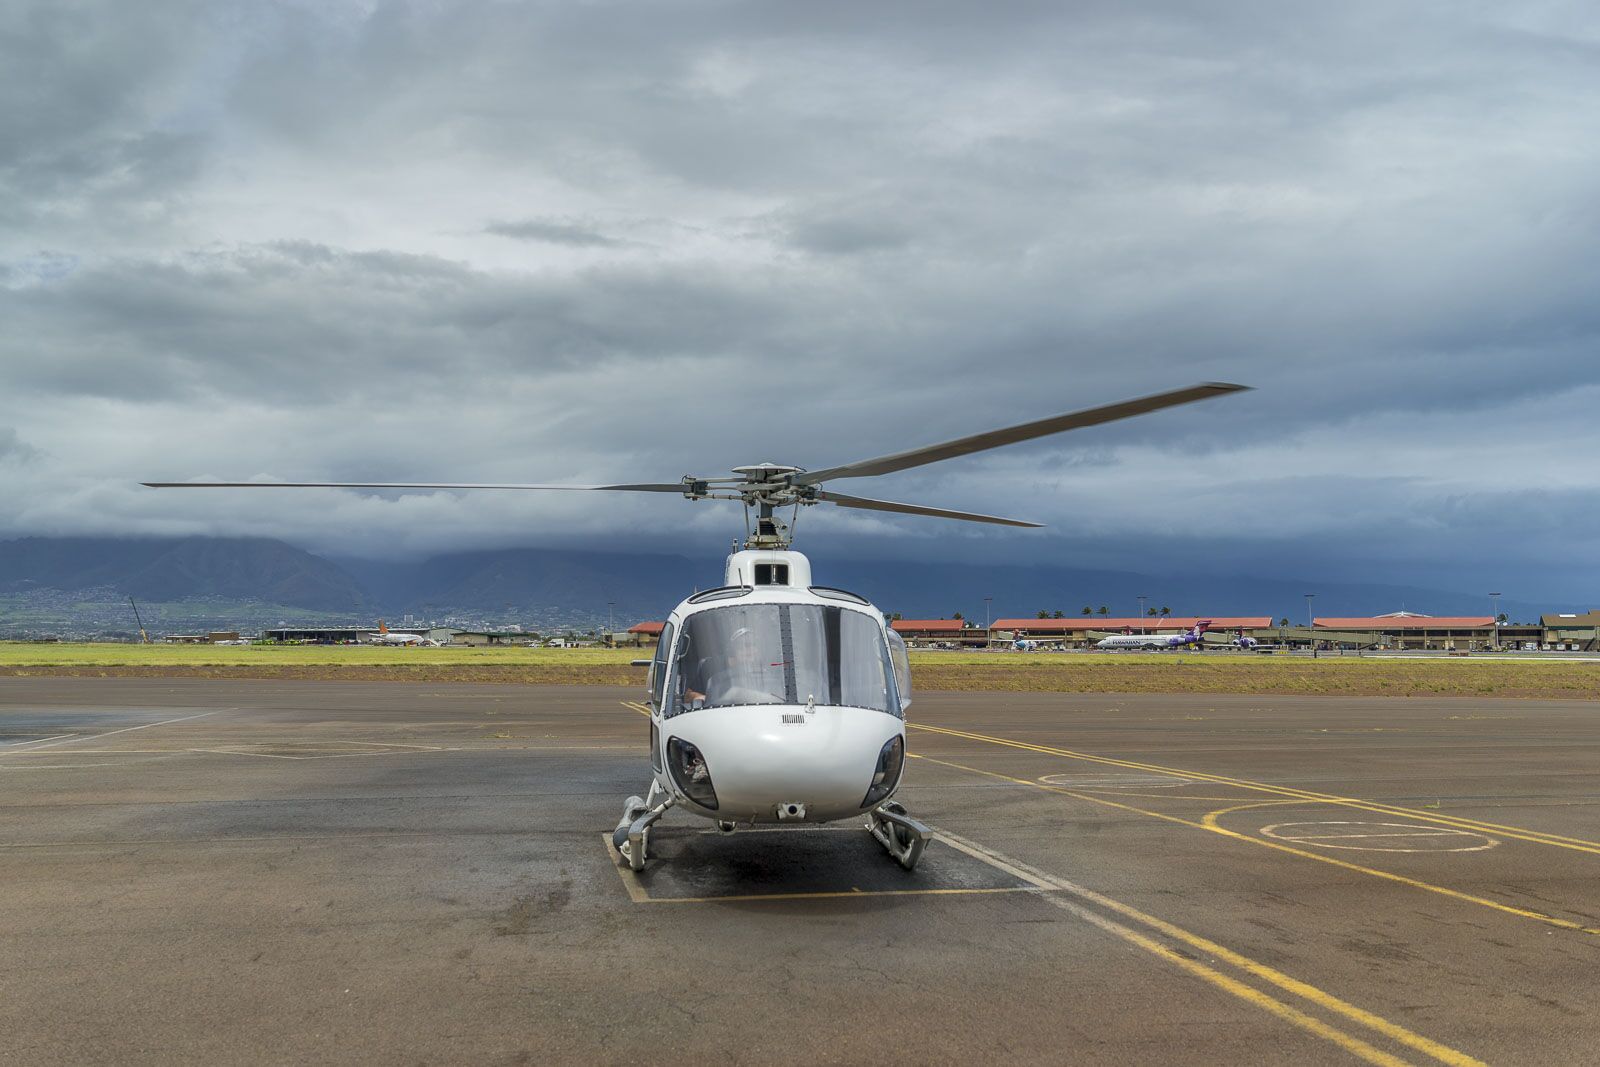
(658, 684)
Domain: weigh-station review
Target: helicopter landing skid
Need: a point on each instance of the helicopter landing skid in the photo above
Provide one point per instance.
(902, 836)
(632, 835)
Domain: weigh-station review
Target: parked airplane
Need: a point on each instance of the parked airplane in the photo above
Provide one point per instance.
(386, 636)
(1156, 641)
(1238, 639)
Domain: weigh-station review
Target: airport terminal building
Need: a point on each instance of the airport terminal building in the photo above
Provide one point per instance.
(1079, 631)
(1400, 630)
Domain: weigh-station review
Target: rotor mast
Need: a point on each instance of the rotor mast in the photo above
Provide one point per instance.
(767, 487)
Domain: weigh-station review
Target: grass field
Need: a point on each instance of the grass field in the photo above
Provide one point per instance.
(21, 654)
(1214, 672)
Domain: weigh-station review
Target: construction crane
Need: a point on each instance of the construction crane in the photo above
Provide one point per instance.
(143, 637)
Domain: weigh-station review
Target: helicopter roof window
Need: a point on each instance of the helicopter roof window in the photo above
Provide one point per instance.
(839, 594)
(772, 574)
(721, 592)
(752, 654)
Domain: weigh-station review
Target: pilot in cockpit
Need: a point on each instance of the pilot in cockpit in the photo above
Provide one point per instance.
(740, 673)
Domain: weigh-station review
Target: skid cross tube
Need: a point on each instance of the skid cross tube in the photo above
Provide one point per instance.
(902, 836)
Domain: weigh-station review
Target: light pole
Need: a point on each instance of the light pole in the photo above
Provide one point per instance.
(1142, 599)
(1494, 606)
(611, 625)
(1311, 630)
(987, 601)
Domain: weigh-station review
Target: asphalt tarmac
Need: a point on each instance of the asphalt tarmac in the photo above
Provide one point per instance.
(222, 872)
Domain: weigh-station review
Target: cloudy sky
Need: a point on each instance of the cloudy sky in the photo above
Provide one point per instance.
(608, 241)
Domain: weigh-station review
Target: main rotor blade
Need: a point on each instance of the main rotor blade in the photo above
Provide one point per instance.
(868, 504)
(645, 487)
(1026, 431)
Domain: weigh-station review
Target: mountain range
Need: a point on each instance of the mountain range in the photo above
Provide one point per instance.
(55, 582)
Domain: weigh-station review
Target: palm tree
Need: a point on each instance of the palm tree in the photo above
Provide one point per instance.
(1103, 610)
(1087, 610)
(1042, 614)
(1059, 614)
(1165, 611)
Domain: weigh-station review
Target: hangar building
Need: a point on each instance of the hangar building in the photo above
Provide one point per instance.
(1408, 629)
(940, 631)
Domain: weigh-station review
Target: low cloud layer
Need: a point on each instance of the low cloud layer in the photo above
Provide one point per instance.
(438, 241)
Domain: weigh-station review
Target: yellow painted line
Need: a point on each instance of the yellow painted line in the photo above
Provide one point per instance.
(630, 881)
(1537, 837)
(635, 706)
(1353, 1045)
(1048, 887)
(1304, 990)
(1209, 823)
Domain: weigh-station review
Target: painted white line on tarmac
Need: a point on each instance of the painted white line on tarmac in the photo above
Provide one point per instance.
(36, 741)
(124, 730)
(1376, 831)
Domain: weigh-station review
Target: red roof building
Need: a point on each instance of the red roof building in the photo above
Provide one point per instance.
(928, 626)
(648, 629)
(940, 630)
(1407, 621)
(1406, 629)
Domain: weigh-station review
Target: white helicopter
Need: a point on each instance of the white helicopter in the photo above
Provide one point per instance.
(773, 700)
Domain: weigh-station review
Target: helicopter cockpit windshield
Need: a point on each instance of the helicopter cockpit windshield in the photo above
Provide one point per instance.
(748, 654)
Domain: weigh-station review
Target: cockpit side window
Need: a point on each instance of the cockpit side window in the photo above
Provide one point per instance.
(902, 668)
(658, 666)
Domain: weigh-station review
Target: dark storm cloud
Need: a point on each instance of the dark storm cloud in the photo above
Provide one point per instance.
(442, 240)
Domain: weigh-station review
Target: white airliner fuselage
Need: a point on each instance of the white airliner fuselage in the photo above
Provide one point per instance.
(386, 636)
(1155, 641)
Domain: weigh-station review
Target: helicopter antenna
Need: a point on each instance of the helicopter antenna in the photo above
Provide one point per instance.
(765, 487)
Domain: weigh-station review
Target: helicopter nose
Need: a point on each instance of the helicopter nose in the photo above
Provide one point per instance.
(766, 760)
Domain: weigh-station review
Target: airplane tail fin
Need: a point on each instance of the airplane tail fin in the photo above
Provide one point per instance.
(1201, 627)
(383, 627)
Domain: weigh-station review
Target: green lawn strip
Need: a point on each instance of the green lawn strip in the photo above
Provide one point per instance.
(959, 672)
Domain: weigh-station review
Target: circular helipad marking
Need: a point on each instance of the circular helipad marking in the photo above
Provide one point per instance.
(1380, 836)
(1116, 781)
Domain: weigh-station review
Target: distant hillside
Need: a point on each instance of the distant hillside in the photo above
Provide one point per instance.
(923, 590)
(191, 568)
(525, 582)
(50, 580)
